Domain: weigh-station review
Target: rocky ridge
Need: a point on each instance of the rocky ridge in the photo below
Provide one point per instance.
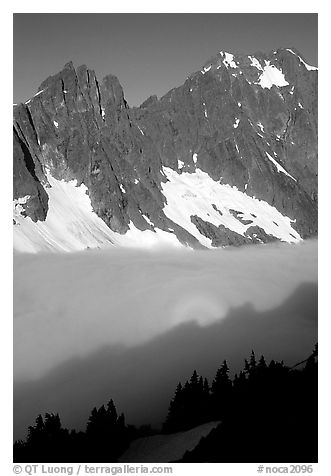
(248, 123)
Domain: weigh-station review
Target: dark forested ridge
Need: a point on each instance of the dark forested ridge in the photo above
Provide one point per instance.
(268, 413)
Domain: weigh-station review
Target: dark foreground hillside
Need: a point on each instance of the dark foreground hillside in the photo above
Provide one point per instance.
(268, 413)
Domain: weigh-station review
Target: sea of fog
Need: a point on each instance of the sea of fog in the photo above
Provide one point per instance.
(128, 324)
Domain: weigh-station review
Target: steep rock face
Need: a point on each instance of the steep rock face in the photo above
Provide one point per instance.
(26, 183)
(249, 122)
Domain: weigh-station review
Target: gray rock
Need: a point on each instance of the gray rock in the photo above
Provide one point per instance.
(78, 128)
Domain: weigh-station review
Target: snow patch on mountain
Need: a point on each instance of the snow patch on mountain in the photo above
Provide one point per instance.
(205, 69)
(261, 126)
(135, 238)
(189, 194)
(205, 109)
(271, 76)
(308, 66)
(18, 209)
(39, 92)
(72, 225)
(255, 63)
(148, 220)
(279, 167)
(228, 60)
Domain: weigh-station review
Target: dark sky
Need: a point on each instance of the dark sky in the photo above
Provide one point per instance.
(149, 53)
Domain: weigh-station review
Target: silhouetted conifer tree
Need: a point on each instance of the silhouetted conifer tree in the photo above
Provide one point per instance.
(111, 413)
(35, 433)
(221, 391)
(194, 380)
(106, 433)
(262, 363)
(175, 414)
(272, 416)
(190, 405)
(254, 409)
(246, 367)
(206, 386)
(252, 360)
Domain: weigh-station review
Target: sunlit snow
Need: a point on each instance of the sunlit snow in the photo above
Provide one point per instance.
(279, 167)
(71, 225)
(205, 110)
(17, 206)
(308, 66)
(205, 69)
(39, 92)
(255, 63)
(228, 60)
(261, 126)
(135, 238)
(148, 220)
(271, 76)
(197, 193)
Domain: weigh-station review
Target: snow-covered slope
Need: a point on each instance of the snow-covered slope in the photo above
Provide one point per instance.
(307, 66)
(71, 224)
(227, 158)
(196, 194)
(271, 76)
(166, 448)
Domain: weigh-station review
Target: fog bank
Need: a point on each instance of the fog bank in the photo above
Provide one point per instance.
(71, 305)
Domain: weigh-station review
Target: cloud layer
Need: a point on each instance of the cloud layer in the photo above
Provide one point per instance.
(70, 305)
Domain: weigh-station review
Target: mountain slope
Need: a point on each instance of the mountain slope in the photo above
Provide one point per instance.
(229, 157)
(166, 448)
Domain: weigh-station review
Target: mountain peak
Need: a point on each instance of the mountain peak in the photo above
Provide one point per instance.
(228, 158)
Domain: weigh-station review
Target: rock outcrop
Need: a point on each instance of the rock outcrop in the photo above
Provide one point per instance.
(249, 122)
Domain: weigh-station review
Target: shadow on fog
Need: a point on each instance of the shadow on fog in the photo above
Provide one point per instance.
(142, 379)
(68, 305)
